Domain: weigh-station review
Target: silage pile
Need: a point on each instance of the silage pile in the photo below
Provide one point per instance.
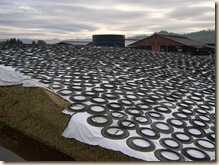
(150, 105)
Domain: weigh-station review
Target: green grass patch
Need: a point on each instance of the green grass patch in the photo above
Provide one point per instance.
(37, 113)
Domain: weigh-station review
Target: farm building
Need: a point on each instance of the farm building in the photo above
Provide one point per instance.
(114, 40)
(172, 43)
(76, 42)
(130, 41)
(102, 40)
(127, 42)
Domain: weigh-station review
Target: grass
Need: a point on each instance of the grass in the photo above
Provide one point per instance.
(36, 113)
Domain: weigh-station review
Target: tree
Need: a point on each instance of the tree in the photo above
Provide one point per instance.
(33, 42)
(14, 40)
(19, 41)
(41, 42)
(163, 32)
(11, 41)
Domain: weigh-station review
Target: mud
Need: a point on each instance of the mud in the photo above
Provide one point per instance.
(16, 147)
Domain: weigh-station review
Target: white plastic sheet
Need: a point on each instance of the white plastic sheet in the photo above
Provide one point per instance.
(78, 127)
(8, 76)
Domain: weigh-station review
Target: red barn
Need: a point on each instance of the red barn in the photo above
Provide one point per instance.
(171, 43)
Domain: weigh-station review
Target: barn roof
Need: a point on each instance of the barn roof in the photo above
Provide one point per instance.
(180, 39)
(184, 40)
(75, 42)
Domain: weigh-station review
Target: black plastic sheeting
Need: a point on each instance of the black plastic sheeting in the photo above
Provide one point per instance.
(150, 92)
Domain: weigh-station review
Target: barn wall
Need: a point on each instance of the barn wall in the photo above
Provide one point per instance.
(155, 41)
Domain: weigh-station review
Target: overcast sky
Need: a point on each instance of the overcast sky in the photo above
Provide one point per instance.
(65, 19)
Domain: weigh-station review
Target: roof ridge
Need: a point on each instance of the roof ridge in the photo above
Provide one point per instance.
(173, 35)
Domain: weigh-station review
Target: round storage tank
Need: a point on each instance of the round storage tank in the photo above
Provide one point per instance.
(109, 40)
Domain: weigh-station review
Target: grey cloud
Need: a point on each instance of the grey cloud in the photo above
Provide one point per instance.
(182, 27)
(86, 13)
(62, 17)
(48, 25)
(12, 34)
(189, 12)
(95, 17)
(159, 3)
(73, 27)
(48, 20)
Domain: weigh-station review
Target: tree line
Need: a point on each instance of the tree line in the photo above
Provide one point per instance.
(18, 41)
(204, 36)
(14, 41)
